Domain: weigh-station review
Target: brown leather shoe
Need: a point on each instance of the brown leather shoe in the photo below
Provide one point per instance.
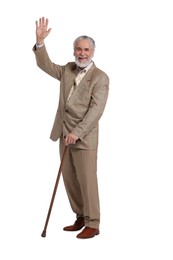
(88, 232)
(78, 224)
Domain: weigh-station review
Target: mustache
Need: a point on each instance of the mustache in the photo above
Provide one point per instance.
(82, 56)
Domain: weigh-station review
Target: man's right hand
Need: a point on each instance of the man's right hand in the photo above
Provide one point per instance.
(42, 30)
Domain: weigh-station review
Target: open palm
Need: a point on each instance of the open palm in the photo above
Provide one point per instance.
(42, 30)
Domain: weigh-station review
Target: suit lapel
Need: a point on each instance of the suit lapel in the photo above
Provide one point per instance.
(83, 82)
(70, 81)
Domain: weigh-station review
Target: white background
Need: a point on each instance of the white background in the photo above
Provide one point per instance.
(134, 46)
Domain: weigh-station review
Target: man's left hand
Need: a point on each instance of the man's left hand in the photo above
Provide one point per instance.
(70, 139)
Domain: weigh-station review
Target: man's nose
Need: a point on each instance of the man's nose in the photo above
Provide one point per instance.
(82, 52)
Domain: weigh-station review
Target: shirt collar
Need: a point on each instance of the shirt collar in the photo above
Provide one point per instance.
(86, 68)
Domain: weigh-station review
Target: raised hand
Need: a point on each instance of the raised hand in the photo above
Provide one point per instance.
(42, 30)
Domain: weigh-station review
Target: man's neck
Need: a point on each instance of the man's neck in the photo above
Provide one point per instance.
(83, 68)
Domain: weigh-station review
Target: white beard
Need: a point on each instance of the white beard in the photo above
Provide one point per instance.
(82, 65)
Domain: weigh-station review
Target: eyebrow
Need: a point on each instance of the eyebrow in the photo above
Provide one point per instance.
(79, 48)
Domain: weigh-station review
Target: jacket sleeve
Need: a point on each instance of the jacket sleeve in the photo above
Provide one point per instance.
(44, 63)
(96, 107)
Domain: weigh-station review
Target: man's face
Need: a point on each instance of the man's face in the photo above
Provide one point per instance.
(83, 53)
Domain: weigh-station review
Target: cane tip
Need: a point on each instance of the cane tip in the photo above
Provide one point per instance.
(43, 233)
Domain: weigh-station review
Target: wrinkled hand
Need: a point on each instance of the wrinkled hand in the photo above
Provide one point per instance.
(70, 139)
(42, 30)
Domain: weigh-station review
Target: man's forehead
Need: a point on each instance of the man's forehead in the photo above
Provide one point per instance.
(83, 43)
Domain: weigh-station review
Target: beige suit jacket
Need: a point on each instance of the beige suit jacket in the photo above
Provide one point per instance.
(81, 114)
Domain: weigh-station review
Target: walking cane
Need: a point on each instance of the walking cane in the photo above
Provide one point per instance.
(54, 193)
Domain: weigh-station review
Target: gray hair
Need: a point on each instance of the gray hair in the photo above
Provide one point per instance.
(84, 37)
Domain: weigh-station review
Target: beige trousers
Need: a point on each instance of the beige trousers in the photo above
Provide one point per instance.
(80, 179)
